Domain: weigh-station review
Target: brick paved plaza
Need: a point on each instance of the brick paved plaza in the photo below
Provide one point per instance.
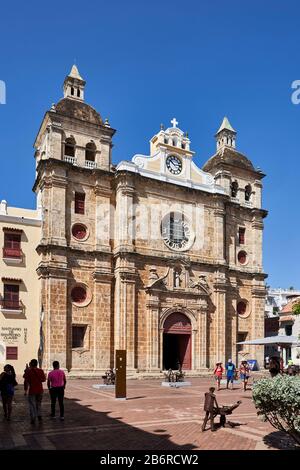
(152, 418)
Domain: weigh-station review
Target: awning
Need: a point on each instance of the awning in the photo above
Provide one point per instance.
(12, 229)
(11, 279)
(287, 318)
(279, 340)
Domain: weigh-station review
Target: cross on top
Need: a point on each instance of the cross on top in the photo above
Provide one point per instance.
(174, 122)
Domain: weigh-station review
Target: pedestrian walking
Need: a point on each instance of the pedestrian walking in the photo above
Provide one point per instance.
(244, 373)
(210, 406)
(230, 373)
(33, 385)
(7, 389)
(56, 383)
(274, 366)
(218, 373)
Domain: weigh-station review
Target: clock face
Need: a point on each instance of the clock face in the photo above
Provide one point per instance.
(174, 164)
(176, 232)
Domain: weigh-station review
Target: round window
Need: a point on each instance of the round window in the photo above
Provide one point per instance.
(176, 231)
(242, 308)
(242, 257)
(78, 294)
(79, 231)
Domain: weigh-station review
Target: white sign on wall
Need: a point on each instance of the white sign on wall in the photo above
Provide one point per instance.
(2, 353)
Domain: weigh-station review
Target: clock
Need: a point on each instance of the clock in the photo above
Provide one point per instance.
(175, 231)
(174, 164)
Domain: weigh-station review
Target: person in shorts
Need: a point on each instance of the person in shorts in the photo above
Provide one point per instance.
(230, 373)
(218, 373)
(244, 373)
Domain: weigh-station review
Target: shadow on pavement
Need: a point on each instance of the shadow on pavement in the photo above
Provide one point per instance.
(83, 429)
(280, 440)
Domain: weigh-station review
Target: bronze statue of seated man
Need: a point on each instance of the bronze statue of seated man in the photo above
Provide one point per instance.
(109, 378)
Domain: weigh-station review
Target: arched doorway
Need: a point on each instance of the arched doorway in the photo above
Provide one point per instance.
(177, 334)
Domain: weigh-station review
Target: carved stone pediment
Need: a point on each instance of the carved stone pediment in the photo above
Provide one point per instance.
(200, 285)
(156, 281)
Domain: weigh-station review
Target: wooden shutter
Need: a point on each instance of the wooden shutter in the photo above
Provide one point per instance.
(79, 203)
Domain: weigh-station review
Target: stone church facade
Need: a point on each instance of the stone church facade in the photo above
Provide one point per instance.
(154, 255)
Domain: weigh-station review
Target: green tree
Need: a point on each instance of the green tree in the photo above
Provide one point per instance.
(296, 309)
(278, 401)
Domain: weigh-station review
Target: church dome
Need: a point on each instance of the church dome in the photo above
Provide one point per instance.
(79, 110)
(228, 156)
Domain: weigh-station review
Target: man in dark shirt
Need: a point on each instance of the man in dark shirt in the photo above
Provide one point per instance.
(209, 402)
(33, 384)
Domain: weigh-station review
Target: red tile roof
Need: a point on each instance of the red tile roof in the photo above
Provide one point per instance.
(288, 308)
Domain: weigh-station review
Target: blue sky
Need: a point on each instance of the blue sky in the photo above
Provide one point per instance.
(146, 62)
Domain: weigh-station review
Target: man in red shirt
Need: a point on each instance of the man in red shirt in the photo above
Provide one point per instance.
(33, 385)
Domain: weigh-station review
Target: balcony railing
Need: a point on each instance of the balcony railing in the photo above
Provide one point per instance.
(15, 253)
(11, 304)
(69, 159)
(90, 164)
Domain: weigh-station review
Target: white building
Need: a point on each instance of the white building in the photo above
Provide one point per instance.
(289, 324)
(277, 298)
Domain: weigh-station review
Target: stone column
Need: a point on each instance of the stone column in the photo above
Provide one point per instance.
(258, 317)
(125, 322)
(153, 334)
(223, 178)
(257, 187)
(203, 359)
(219, 231)
(56, 322)
(233, 322)
(257, 240)
(124, 233)
(104, 218)
(103, 319)
(219, 319)
(104, 158)
(54, 188)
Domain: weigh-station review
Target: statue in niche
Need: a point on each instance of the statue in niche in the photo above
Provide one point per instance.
(177, 279)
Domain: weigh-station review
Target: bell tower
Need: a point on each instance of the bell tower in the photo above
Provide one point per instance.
(74, 85)
(226, 135)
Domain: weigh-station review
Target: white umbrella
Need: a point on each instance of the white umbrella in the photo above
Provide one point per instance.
(279, 340)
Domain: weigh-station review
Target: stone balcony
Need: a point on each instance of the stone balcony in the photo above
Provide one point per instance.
(86, 164)
(90, 164)
(70, 159)
(11, 306)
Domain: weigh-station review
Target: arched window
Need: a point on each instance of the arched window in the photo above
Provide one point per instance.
(174, 142)
(78, 93)
(234, 189)
(70, 147)
(72, 91)
(90, 152)
(248, 192)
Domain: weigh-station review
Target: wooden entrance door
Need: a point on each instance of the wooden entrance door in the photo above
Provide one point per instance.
(179, 326)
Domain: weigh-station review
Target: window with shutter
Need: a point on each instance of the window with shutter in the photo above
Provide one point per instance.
(11, 296)
(79, 203)
(12, 245)
(242, 235)
(11, 353)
